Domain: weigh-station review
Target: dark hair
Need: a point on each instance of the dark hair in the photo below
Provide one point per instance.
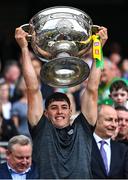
(10, 63)
(57, 96)
(121, 108)
(118, 84)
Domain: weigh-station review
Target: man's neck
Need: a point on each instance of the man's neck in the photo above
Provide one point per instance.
(101, 136)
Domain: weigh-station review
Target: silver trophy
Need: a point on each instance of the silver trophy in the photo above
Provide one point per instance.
(59, 36)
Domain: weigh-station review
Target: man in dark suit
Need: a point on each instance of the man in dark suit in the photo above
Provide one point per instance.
(111, 159)
(19, 160)
(122, 134)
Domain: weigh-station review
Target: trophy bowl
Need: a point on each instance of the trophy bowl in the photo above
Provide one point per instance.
(59, 36)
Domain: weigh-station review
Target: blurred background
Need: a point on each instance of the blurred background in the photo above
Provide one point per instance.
(109, 13)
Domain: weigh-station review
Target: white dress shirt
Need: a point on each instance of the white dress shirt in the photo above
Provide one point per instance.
(18, 176)
(107, 147)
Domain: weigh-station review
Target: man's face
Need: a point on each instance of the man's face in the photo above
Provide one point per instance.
(108, 72)
(120, 96)
(115, 58)
(107, 122)
(123, 122)
(19, 158)
(12, 74)
(59, 113)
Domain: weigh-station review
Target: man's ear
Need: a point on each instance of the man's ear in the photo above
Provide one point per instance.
(7, 154)
(70, 112)
(45, 113)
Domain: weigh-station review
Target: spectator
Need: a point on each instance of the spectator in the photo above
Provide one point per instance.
(19, 110)
(119, 93)
(59, 147)
(7, 130)
(108, 74)
(115, 57)
(109, 158)
(5, 103)
(11, 74)
(19, 161)
(124, 68)
(2, 148)
(122, 133)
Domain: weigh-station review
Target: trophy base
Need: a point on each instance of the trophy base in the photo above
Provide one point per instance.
(64, 72)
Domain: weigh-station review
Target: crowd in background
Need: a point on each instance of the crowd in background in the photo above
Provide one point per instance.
(113, 91)
(13, 101)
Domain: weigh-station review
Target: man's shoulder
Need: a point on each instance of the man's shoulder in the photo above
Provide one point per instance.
(4, 173)
(119, 145)
(3, 165)
(43, 120)
(82, 121)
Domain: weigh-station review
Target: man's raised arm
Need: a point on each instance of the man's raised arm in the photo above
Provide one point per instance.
(35, 101)
(90, 96)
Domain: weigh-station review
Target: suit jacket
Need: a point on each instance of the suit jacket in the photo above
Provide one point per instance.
(118, 164)
(5, 173)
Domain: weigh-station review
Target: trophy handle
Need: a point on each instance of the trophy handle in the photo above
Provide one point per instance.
(95, 29)
(26, 28)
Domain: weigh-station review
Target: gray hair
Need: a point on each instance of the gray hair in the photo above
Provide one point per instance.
(19, 139)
